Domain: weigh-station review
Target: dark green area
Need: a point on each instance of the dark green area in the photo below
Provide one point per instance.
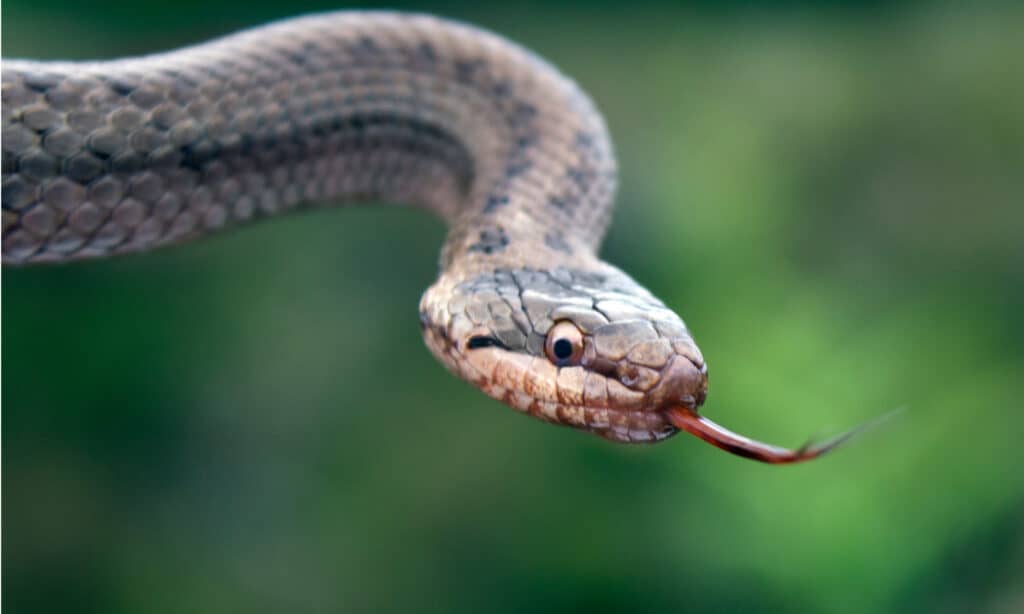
(830, 195)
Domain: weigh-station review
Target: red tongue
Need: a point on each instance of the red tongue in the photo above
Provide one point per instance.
(688, 420)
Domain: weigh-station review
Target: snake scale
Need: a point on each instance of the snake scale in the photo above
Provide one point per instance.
(111, 157)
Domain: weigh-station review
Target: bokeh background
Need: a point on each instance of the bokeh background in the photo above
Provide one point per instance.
(830, 194)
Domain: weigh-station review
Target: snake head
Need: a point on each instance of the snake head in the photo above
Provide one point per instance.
(589, 349)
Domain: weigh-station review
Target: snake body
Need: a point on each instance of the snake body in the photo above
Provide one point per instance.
(104, 158)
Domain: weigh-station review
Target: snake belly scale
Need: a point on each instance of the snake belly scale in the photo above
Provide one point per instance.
(110, 157)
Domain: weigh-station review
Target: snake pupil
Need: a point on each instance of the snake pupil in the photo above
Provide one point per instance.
(564, 345)
(563, 349)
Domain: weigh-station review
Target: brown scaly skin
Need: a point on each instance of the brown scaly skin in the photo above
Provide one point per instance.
(105, 158)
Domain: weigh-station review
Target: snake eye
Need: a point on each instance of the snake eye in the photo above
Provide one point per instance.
(564, 345)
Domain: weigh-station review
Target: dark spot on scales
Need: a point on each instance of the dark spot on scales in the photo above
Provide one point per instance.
(40, 82)
(466, 70)
(491, 240)
(475, 343)
(365, 48)
(494, 201)
(566, 202)
(556, 241)
(192, 156)
(525, 111)
(296, 57)
(580, 176)
(584, 140)
(120, 86)
(426, 52)
(181, 79)
(514, 170)
(526, 141)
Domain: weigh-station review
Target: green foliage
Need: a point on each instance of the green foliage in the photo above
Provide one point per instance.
(832, 200)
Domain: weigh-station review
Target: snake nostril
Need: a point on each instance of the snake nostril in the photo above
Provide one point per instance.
(694, 382)
(684, 382)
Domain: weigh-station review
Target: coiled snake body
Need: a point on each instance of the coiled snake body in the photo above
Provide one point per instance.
(104, 158)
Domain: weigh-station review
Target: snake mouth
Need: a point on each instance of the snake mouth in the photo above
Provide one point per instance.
(629, 426)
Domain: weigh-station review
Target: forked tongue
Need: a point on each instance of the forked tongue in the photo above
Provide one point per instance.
(688, 420)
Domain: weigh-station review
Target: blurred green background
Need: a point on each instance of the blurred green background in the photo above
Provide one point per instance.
(831, 195)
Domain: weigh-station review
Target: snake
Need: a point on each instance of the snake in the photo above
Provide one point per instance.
(111, 157)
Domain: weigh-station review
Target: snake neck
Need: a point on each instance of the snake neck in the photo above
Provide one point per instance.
(104, 158)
